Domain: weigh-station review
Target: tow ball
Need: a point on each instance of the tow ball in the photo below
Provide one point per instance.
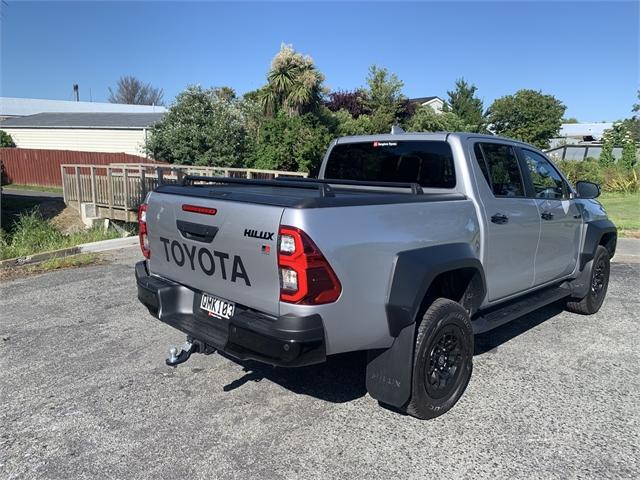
(176, 358)
(190, 347)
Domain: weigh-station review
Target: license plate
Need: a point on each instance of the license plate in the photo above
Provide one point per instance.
(217, 307)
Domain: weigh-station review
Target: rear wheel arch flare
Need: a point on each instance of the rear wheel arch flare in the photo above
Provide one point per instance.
(463, 285)
(449, 271)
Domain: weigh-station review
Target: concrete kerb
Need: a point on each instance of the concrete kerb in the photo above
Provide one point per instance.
(93, 247)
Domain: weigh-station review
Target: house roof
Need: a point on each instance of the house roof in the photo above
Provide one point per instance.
(594, 130)
(19, 107)
(424, 99)
(84, 120)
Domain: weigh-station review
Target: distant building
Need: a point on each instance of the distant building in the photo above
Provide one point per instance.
(87, 132)
(436, 103)
(11, 107)
(575, 133)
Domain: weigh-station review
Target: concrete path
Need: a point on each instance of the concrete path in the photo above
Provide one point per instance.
(30, 193)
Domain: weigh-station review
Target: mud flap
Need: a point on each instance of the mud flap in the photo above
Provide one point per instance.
(389, 371)
(581, 285)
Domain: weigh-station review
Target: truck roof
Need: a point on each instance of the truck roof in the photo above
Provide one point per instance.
(425, 136)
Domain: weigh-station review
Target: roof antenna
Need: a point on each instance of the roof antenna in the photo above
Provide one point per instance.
(396, 130)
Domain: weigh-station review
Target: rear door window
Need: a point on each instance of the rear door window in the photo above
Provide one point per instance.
(499, 165)
(429, 163)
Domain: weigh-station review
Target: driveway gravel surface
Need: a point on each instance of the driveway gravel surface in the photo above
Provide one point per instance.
(86, 394)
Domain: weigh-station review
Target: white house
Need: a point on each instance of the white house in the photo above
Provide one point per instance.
(86, 132)
(436, 103)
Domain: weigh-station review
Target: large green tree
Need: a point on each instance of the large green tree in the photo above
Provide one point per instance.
(202, 127)
(527, 115)
(384, 98)
(464, 103)
(294, 84)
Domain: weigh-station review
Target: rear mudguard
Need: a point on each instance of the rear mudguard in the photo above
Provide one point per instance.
(389, 371)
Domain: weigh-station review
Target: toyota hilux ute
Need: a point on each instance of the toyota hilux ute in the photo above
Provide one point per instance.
(405, 246)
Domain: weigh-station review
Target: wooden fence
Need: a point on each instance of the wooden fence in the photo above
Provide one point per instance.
(30, 166)
(117, 190)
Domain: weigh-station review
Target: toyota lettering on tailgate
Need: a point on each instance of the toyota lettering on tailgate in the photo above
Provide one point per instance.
(205, 259)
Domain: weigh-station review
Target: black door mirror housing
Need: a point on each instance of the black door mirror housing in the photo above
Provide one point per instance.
(587, 189)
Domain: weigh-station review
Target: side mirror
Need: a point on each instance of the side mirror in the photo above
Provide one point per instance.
(587, 189)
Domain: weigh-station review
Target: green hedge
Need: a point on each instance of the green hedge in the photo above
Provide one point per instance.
(614, 178)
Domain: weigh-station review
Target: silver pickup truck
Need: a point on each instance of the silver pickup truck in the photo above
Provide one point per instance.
(406, 246)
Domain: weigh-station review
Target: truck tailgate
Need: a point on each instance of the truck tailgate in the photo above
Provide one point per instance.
(230, 254)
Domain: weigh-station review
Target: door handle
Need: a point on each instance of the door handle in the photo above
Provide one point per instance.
(499, 218)
(547, 215)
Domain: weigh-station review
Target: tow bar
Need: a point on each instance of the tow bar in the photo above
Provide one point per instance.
(190, 347)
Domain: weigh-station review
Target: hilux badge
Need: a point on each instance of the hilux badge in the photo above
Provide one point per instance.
(258, 234)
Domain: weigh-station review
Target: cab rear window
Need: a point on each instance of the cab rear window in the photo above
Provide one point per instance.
(428, 163)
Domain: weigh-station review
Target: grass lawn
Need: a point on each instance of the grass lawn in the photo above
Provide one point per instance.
(624, 210)
(33, 188)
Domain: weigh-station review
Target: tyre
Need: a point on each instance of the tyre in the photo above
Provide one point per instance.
(442, 361)
(598, 284)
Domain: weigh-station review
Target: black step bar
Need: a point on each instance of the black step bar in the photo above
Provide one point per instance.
(501, 314)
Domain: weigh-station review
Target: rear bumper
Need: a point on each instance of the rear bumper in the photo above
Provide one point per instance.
(288, 340)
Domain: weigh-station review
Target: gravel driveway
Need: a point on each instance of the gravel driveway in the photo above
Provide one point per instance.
(86, 394)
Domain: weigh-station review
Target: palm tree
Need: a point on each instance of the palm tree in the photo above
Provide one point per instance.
(294, 84)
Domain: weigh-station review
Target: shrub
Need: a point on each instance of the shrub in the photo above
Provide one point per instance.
(202, 127)
(291, 143)
(620, 134)
(31, 233)
(628, 159)
(622, 180)
(354, 102)
(611, 178)
(348, 125)
(427, 120)
(6, 140)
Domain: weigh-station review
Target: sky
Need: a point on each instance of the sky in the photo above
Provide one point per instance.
(584, 53)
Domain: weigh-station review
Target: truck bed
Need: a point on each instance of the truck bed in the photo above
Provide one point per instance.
(304, 194)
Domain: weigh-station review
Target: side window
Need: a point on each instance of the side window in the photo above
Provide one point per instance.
(481, 163)
(547, 182)
(499, 165)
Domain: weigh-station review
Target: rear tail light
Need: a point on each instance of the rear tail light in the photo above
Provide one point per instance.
(142, 231)
(306, 278)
